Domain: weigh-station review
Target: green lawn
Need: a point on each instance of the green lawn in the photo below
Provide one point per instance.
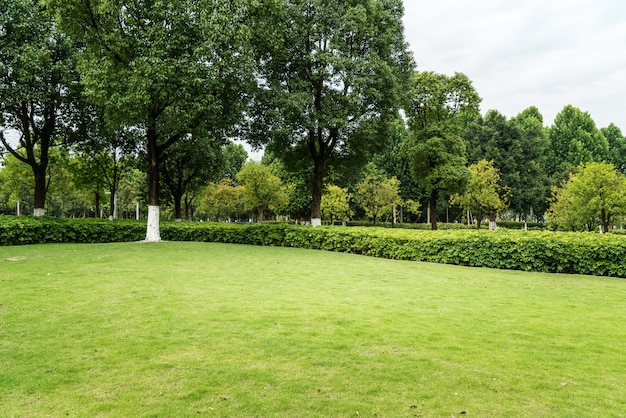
(199, 329)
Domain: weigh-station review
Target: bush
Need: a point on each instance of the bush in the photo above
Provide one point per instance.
(542, 251)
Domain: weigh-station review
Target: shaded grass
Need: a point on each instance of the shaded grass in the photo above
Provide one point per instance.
(187, 329)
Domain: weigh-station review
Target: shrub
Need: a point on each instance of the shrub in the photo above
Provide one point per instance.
(543, 251)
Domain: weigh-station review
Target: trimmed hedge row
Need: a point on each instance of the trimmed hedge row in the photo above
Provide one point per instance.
(558, 252)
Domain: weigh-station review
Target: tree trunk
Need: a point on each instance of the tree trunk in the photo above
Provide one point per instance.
(318, 184)
(259, 216)
(153, 232)
(178, 213)
(40, 190)
(97, 198)
(433, 210)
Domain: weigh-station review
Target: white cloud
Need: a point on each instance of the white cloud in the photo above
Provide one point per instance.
(528, 53)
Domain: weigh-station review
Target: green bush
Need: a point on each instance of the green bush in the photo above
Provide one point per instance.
(543, 251)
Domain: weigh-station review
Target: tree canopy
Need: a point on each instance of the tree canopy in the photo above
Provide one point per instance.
(168, 67)
(438, 107)
(331, 74)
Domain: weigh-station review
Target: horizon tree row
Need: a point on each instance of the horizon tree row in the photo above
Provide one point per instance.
(322, 86)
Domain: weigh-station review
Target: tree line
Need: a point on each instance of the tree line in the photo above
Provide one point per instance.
(144, 99)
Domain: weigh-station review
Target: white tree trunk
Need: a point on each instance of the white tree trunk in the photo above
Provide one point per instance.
(39, 212)
(153, 233)
(315, 222)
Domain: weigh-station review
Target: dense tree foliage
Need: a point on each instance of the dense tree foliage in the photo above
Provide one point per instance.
(39, 89)
(592, 197)
(336, 204)
(148, 103)
(168, 67)
(517, 148)
(438, 108)
(575, 139)
(484, 195)
(330, 78)
(262, 190)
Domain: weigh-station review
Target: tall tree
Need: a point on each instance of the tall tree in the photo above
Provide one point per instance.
(438, 108)
(39, 88)
(617, 146)
(234, 155)
(164, 67)
(530, 197)
(517, 148)
(330, 76)
(575, 139)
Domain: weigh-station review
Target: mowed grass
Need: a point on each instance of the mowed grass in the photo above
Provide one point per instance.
(200, 329)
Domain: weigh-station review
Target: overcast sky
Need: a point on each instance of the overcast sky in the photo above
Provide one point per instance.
(544, 53)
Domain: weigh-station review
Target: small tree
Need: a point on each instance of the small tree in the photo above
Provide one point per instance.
(222, 200)
(262, 190)
(336, 204)
(378, 197)
(484, 195)
(594, 196)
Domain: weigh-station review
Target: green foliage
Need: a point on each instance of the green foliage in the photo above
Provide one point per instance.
(332, 74)
(593, 196)
(484, 196)
(223, 200)
(438, 107)
(575, 139)
(262, 190)
(19, 230)
(336, 204)
(555, 252)
(39, 88)
(517, 148)
(378, 197)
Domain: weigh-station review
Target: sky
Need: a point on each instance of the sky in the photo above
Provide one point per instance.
(543, 53)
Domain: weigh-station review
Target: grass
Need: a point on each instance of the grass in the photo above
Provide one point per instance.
(200, 329)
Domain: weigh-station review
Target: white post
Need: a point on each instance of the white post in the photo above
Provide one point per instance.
(18, 208)
(153, 233)
(136, 210)
(115, 205)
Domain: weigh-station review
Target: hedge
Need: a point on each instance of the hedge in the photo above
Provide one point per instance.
(542, 251)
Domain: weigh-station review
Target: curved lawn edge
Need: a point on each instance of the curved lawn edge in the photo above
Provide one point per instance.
(540, 251)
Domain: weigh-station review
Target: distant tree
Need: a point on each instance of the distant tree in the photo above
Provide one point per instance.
(517, 148)
(394, 163)
(262, 190)
(165, 67)
(16, 182)
(233, 157)
(575, 139)
(331, 76)
(593, 196)
(39, 89)
(438, 108)
(188, 165)
(223, 200)
(484, 195)
(617, 147)
(530, 197)
(336, 203)
(378, 197)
